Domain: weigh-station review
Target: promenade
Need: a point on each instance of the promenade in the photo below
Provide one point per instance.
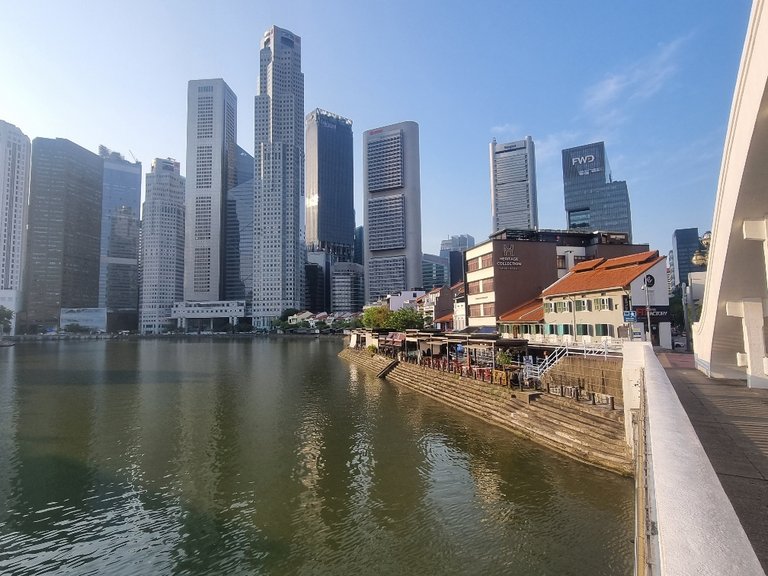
(731, 422)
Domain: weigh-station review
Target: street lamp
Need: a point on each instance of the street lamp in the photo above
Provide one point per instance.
(648, 283)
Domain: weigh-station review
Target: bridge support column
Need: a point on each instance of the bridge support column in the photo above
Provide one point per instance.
(751, 313)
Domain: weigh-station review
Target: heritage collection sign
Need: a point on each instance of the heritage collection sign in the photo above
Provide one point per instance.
(508, 260)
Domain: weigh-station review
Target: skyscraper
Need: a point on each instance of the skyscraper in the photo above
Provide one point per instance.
(347, 287)
(278, 212)
(456, 244)
(513, 185)
(211, 172)
(392, 200)
(162, 246)
(120, 212)
(238, 281)
(15, 151)
(330, 185)
(64, 230)
(593, 200)
(685, 241)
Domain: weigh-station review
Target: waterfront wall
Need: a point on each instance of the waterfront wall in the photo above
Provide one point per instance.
(598, 374)
(687, 523)
(590, 434)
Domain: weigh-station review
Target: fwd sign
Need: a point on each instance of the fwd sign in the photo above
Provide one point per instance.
(582, 159)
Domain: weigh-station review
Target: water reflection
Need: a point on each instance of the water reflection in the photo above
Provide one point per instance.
(275, 457)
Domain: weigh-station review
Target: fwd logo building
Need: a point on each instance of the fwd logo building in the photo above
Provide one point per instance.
(593, 200)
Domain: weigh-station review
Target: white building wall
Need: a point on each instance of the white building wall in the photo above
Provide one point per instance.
(279, 212)
(513, 185)
(162, 246)
(392, 209)
(211, 156)
(15, 153)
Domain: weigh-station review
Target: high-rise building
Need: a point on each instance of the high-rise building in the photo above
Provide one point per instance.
(15, 151)
(513, 185)
(162, 247)
(593, 200)
(392, 201)
(211, 172)
(238, 280)
(358, 251)
(347, 287)
(120, 213)
(278, 212)
(435, 271)
(330, 185)
(64, 232)
(456, 244)
(685, 241)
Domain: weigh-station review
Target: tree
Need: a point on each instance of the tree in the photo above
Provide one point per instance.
(287, 313)
(676, 310)
(376, 317)
(6, 316)
(403, 319)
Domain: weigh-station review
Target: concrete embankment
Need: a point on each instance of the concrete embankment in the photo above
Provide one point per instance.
(594, 435)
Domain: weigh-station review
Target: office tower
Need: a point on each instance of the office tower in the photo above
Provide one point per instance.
(238, 235)
(358, 251)
(347, 287)
(685, 241)
(456, 244)
(392, 201)
(64, 232)
(513, 185)
(278, 212)
(593, 200)
(120, 213)
(330, 185)
(211, 172)
(455, 267)
(15, 151)
(435, 271)
(162, 246)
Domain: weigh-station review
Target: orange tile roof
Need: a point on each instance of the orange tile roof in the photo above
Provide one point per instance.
(447, 318)
(531, 311)
(614, 273)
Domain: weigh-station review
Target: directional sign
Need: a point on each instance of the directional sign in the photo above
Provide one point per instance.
(630, 316)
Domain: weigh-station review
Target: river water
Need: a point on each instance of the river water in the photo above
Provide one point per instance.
(271, 456)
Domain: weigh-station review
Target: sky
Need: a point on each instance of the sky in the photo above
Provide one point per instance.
(654, 80)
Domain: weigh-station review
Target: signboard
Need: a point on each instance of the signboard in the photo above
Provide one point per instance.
(630, 316)
(658, 313)
(508, 260)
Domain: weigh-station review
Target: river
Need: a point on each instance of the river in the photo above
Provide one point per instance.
(274, 456)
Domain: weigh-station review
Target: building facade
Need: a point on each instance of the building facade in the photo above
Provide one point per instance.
(347, 287)
(392, 209)
(593, 200)
(211, 172)
(330, 212)
(238, 233)
(515, 266)
(15, 153)
(162, 247)
(64, 231)
(685, 241)
(513, 185)
(119, 256)
(457, 243)
(278, 215)
(435, 271)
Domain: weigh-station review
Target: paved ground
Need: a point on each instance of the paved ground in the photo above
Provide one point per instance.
(731, 421)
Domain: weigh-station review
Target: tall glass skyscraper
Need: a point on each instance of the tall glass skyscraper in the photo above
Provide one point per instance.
(15, 151)
(392, 200)
(278, 211)
(685, 241)
(120, 213)
(593, 200)
(211, 171)
(238, 233)
(162, 247)
(456, 244)
(513, 185)
(330, 185)
(64, 230)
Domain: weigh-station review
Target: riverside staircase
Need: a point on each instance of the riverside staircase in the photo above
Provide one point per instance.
(590, 434)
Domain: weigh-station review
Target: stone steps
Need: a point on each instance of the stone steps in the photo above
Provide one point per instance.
(587, 433)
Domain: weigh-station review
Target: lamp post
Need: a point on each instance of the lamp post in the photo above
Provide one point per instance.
(648, 283)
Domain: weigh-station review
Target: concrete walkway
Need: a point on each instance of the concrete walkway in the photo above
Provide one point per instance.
(731, 422)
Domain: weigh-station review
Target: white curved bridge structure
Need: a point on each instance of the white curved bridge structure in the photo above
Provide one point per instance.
(729, 339)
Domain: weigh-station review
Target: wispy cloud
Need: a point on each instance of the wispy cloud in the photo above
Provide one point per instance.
(608, 100)
(507, 129)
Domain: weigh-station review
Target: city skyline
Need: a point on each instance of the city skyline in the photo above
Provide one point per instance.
(663, 120)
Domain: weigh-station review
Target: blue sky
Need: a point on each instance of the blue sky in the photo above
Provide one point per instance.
(654, 80)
